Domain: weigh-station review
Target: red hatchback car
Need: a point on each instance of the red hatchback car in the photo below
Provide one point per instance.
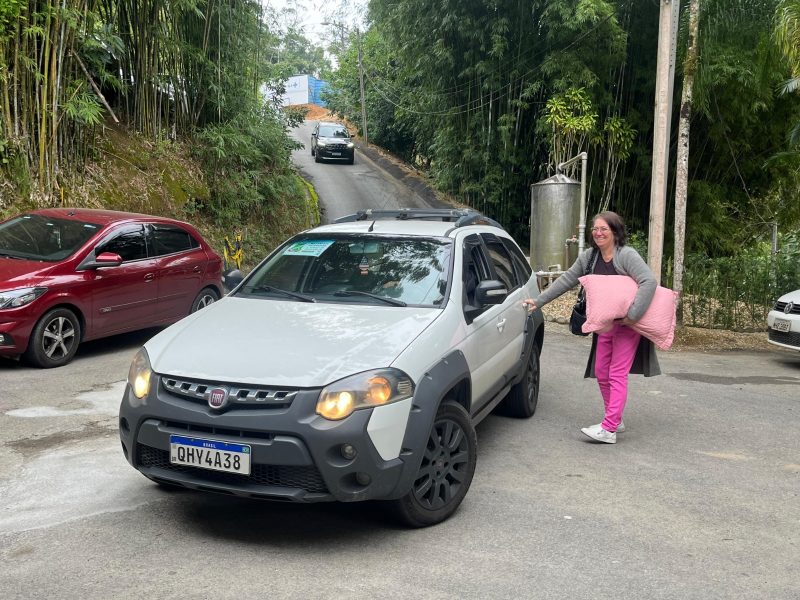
(71, 275)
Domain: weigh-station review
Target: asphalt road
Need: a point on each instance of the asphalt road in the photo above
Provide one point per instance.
(344, 189)
(699, 499)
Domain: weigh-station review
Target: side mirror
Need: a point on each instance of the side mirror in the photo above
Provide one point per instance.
(490, 292)
(104, 259)
(231, 278)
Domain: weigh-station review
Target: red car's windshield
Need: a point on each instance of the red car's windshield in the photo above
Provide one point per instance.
(34, 237)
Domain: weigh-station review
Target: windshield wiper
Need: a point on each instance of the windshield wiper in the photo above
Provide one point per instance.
(5, 255)
(269, 288)
(391, 301)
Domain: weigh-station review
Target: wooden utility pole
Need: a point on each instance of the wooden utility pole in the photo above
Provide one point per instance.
(665, 74)
(682, 167)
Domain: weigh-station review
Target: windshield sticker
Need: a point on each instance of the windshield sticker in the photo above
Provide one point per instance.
(308, 248)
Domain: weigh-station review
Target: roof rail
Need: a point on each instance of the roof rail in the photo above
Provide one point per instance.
(461, 217)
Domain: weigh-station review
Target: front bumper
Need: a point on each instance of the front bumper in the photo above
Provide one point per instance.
(295, 454)
(785, 339)
(336, 152)
(15, 330)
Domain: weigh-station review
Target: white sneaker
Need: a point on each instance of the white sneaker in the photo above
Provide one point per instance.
(621, 428)
(596, 432)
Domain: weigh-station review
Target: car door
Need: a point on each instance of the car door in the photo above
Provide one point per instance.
(483, 344)
(180, 264)
(124, 296)
(512, 315)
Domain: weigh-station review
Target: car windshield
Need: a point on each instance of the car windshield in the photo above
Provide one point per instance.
(35, 237)
(333, 131)
(389, 271)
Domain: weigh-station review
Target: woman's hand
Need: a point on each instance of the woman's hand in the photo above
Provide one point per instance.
(625, 321)
(529, 305)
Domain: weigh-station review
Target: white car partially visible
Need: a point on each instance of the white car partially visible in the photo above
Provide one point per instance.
(783, 321)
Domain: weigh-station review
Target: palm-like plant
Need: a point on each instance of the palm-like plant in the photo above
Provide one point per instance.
(787, 36)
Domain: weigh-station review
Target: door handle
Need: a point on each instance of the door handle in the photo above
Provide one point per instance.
(149, 277)
(501, 324)
(196, 269)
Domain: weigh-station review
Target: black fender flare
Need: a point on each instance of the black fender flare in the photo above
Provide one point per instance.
(450, 372)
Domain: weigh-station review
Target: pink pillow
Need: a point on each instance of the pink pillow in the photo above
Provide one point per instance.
(608, 297)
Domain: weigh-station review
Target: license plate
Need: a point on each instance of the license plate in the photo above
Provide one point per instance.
(336, 153)
(209, 454)
(781, 325)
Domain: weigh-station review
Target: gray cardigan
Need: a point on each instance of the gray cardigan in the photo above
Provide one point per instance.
(626, 261)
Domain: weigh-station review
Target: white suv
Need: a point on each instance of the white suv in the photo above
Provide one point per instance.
(352, 364)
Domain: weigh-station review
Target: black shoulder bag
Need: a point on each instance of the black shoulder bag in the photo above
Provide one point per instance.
(578, 316)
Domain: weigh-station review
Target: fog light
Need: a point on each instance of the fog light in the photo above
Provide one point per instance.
(363, 479)
(348, 451)
(5, 340)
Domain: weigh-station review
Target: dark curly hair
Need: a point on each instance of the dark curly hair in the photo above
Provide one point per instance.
(617, 226)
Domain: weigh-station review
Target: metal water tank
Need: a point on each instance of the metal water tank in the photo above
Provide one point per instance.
(555, 207)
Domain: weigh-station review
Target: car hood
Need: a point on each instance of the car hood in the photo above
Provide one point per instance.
(17, 273)
(273, 342)
(791, 297)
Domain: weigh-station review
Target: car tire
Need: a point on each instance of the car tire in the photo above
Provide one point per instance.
(523, 397)
(317, 157)
(55, 339)
(352, 160)
(312, 150)
(204, 298)
(446, 471)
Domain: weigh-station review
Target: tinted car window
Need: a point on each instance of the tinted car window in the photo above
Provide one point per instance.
(43, 238)
(503, 266)
(129, 245)
(168, 239)
(524, 270)
(336, 131)
(413, 270)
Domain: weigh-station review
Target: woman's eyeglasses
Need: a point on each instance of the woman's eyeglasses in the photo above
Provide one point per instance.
(600, 229)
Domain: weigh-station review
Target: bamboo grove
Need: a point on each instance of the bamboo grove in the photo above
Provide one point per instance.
(163, 67)
(488, 95)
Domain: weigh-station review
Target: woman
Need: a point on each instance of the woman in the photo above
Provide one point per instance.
(620, 351)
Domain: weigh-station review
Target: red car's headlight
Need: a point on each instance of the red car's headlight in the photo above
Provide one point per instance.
(20, 297)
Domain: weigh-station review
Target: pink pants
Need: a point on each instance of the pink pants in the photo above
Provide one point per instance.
(614, 356)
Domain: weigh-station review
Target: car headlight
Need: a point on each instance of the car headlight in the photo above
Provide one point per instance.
(320, 144)
(20, 297)
(140, 374)
(350, 145)
(364, 390)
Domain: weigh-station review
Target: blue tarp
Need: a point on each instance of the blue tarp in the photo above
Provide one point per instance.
(315, 89)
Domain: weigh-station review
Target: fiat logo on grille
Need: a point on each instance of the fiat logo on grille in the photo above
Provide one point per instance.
(788, 308)
(217, 397)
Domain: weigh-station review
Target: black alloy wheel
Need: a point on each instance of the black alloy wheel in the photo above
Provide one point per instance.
(523, 398)
(448, 465)
(55, 339)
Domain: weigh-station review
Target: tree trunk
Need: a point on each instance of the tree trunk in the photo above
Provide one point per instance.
(682, 171)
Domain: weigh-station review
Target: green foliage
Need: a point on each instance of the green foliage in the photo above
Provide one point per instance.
(737, 292)
(571, 119)
(248, 161)
(82, 107)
